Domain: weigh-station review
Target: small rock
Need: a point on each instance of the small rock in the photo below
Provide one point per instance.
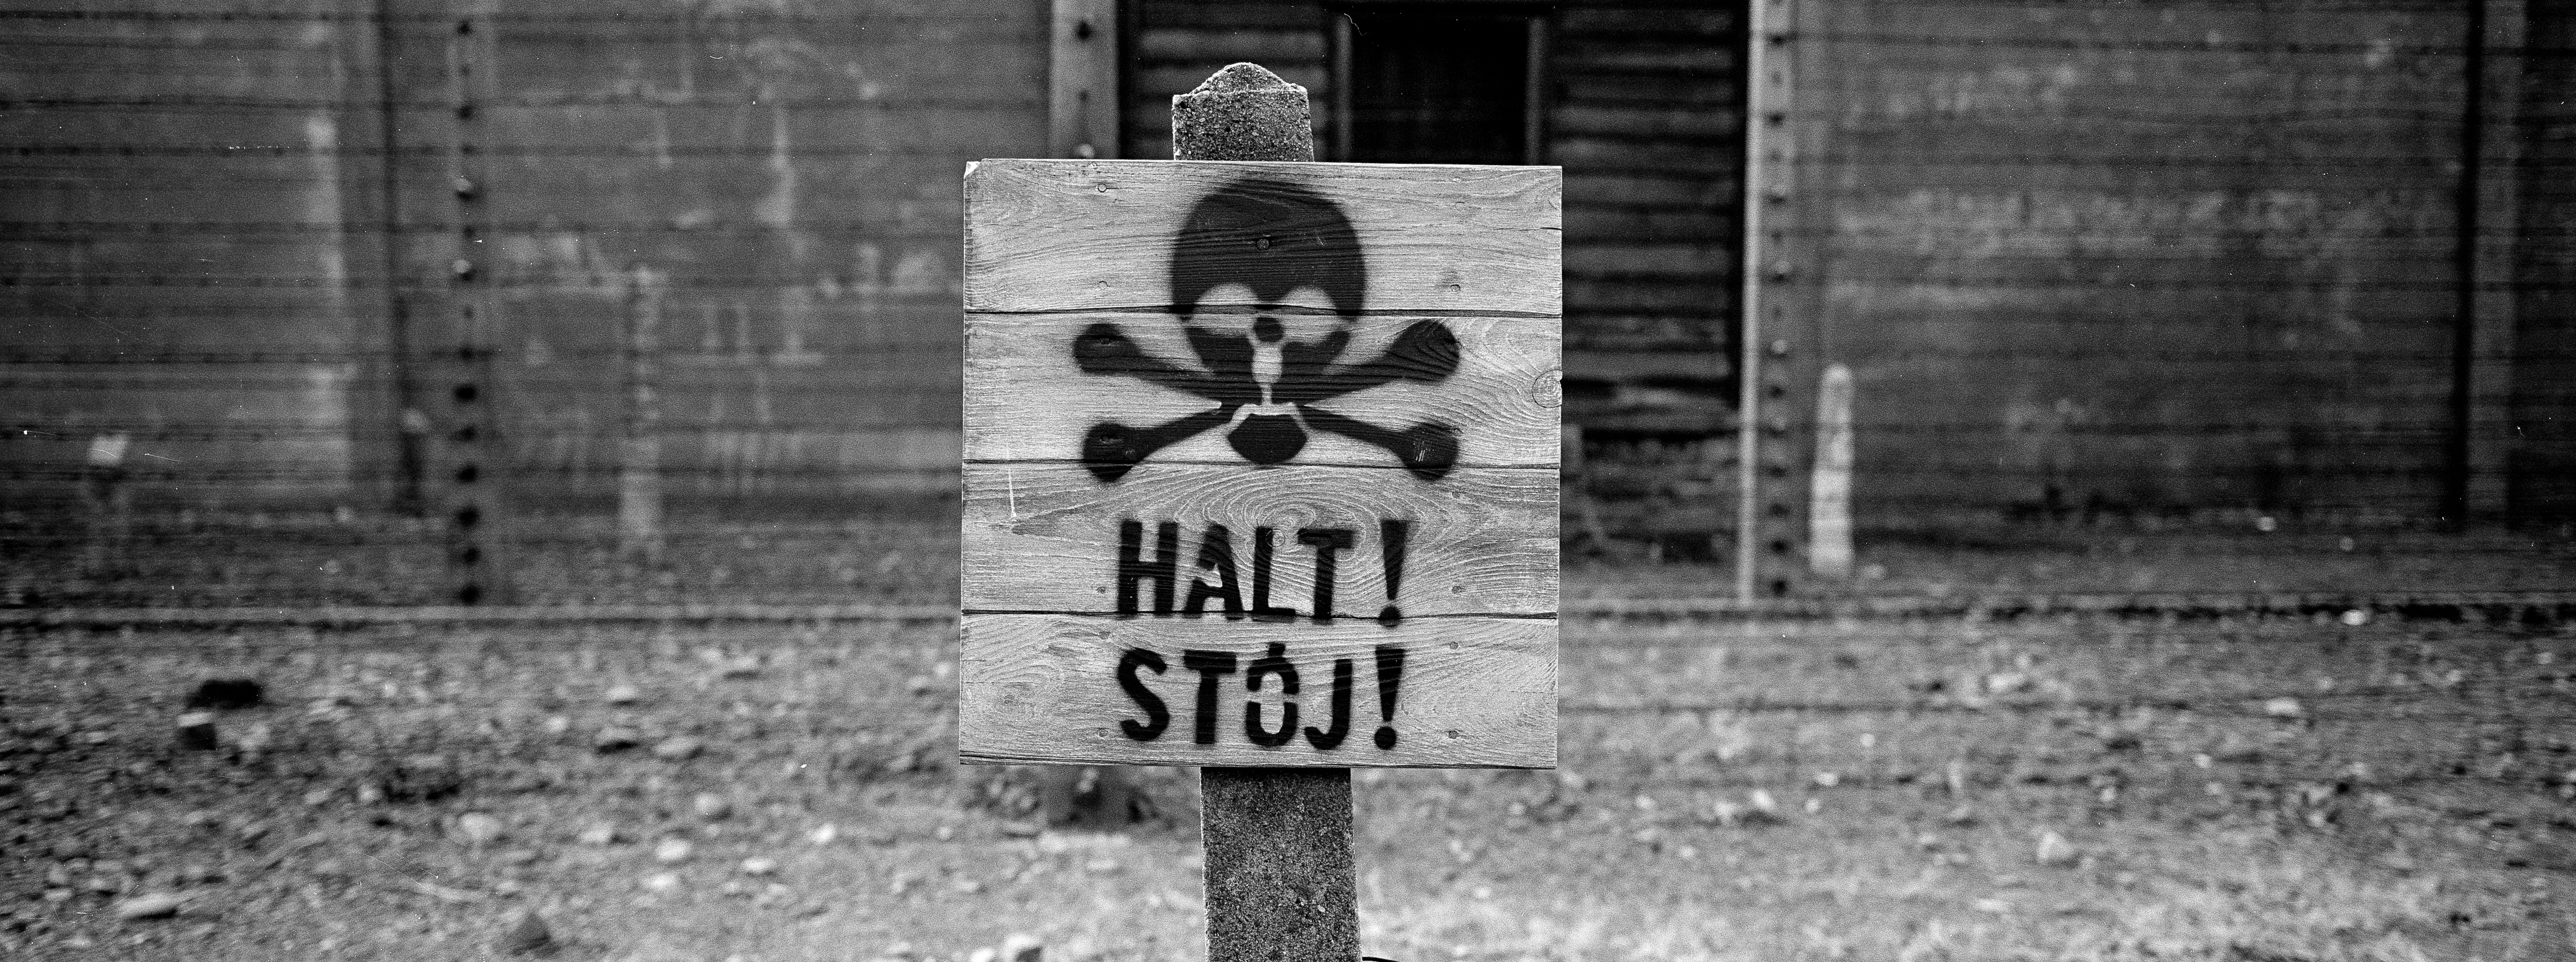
(2055, 850)
(2283, 708)
(743, 667)
(154, 905)
(1960, 817)
(711, 806)
(558, 724)
(525, 933)
(2356, 617)
(757, 867)
(197, 731)
(1024, 828)
(371, 794)
(615, 739)
(478, 829)
(1725, 812)
(661, 882)
(1828, 779)
(671, 850)
(1763, 803)
(599, 834)
(623, 694)
(518, 856)
(678, 748)
(2008, 682)
(320, 797)
(985, 954)
(226, 694)
(1023, 947)
(824, 834)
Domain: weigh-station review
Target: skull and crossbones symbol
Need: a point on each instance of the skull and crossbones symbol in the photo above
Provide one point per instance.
(1288, 248)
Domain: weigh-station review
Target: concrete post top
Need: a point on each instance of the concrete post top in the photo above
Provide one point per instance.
(1243, 112)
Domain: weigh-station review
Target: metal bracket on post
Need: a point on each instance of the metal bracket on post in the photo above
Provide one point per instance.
(1280, 877)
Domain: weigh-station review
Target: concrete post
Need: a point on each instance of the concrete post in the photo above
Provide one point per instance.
(1280, 881)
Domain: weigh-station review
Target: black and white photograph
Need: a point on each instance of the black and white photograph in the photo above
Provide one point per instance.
(1288, 480)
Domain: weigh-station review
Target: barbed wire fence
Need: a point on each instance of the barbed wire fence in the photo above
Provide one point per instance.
(225, 386)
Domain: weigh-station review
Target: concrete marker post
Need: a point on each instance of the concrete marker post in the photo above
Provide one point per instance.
(1280, 879)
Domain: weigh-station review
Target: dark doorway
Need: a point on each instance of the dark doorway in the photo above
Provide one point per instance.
(1438, 86)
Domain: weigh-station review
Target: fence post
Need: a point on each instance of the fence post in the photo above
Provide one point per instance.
(1280, 880)
(639, 468)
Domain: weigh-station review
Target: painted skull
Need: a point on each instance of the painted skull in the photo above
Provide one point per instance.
(1268, 280)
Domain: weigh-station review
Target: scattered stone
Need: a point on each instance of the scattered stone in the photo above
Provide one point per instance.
(711, 806)
(671, 851)
(525, 933)
(478, 829)
(985, 954)
(2008, 682)
(153, 905)
(757, 867)
(424, 777)
(2055, 850)
(2356, 617)
(197, 731)
(678, 748)
(600, 834)
(615, 739)
(2283, 708)
(1828, 779)
(623, 694)
(1725, 812)
(824, 834)
(661, 882)
(1023, 947)
(226, 694)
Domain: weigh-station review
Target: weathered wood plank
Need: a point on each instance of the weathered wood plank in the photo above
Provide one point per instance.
(1048, 688)
(1100, 235)
(1051, 538)
(1499, 402)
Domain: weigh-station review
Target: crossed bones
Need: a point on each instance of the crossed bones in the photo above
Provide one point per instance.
(1237, 374)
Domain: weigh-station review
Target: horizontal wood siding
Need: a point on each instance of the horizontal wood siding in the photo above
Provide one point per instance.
(1643, 111)
(792, 183)
(2119, 262)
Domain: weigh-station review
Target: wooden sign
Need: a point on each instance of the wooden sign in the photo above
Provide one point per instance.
(1261, 464)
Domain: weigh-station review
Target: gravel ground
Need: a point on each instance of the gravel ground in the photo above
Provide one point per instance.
(1913, 790)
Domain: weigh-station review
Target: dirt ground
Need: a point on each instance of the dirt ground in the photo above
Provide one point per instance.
(2259, 790)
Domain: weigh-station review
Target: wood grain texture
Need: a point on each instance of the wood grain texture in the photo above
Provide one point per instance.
(1049, 235)
(1045, 537)
(1324, 415)
(1044, 688)
(1502, 398)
